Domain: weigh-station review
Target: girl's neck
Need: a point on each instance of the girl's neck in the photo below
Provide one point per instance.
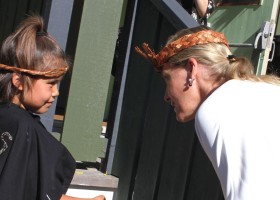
(16, 101)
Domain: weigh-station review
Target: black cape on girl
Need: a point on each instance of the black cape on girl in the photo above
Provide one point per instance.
(33, 164)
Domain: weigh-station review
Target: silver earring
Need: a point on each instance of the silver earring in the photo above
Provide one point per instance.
(190, 81)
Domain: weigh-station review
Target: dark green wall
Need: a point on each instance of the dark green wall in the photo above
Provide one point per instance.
(156, 158)
(13, 11)
(93, 45)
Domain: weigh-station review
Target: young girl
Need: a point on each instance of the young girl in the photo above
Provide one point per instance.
(33, 164)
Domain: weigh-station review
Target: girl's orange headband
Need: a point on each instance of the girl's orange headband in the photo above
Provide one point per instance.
(201, 37)
(54, 73)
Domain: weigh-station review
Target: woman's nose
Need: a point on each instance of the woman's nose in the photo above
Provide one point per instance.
(166, 97)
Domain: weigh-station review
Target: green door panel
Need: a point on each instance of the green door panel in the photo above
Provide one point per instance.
(90, 79)
(241, 24)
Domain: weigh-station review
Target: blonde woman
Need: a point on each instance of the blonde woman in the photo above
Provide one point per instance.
(236, 112)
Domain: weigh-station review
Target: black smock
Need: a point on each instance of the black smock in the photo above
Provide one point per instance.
(33, 164)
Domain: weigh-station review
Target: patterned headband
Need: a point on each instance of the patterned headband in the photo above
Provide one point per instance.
(54, 73)
(201, 37)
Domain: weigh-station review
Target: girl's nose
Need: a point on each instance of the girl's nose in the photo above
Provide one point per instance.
(55, 91)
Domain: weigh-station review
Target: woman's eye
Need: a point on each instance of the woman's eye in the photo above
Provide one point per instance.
(166, 78)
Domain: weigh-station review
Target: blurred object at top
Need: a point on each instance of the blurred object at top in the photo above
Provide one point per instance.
(200, 10)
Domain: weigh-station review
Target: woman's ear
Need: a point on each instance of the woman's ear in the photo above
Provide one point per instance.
(192, 66)
(17, 81)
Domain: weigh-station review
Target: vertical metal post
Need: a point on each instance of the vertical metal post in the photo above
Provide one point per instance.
(58, 26)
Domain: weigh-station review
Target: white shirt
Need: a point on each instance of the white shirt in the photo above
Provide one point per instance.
(238, 126)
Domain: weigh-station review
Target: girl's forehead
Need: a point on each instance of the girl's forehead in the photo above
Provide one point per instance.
(54, 62)
(55, 79)
(49, 80)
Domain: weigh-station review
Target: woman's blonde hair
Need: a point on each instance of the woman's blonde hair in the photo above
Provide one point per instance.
(217, 58)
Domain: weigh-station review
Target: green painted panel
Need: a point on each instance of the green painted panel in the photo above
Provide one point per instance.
(156, 157)
(12, 12)
(277, 32)
(241, 24)
(90, 78)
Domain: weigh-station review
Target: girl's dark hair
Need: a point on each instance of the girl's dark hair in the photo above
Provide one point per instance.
(28, 47)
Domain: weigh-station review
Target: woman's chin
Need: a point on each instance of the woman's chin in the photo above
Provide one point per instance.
(180, 118)
(184, 118)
